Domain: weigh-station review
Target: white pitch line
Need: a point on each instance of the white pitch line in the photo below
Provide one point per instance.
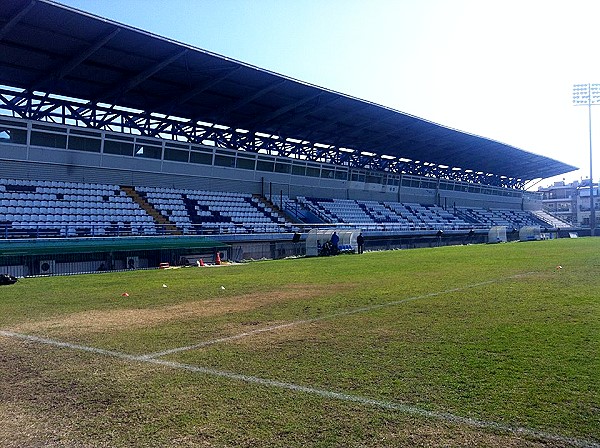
(317, 319)
(324, 393)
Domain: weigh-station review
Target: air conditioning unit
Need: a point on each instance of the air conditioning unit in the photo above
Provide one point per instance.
(133, 262)
(47, 267)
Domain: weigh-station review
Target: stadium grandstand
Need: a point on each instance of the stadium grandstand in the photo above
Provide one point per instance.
(122, 149)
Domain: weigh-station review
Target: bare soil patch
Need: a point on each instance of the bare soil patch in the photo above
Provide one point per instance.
(45, 401)
(98, 321)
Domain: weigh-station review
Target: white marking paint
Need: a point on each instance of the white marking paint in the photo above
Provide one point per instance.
(381, 404)
(328, 316)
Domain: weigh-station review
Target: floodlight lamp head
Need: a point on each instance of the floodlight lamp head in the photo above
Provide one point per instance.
(586, 94)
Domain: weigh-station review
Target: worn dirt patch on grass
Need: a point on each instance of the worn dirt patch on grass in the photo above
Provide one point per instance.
(323, 331)
(25, 408)
(98, 321)
(61, 398)
(445, 435)
(21, 427)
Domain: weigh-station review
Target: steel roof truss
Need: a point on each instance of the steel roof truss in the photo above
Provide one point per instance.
(202, 87)
(8, 26)
(126, 85)
(312, 111)
(46, 108)
(225, 110)
(75, 61)
(282, 110)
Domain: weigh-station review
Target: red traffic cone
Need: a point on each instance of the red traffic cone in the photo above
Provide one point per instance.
(218, 259)
(200, 262)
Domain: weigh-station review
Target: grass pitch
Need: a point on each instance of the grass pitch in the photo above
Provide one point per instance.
(486, 345)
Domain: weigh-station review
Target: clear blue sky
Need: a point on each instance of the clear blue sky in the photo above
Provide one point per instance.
(502, 69)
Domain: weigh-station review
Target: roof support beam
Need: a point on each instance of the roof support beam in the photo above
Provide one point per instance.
(386, 139)
(334, 124)
(138, 79)
(8, 26)
(68, 67)
(243, 101)
(322, 104)
(282, 110)
(41, 107)
(198, 90)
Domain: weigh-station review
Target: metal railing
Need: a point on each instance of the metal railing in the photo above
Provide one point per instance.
(75, 230)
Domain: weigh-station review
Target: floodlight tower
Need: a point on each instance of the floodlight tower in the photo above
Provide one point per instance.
(588, 95)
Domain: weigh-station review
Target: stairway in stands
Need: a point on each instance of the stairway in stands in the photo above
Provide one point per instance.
(272, 210)
(159, 219)
(551, 219)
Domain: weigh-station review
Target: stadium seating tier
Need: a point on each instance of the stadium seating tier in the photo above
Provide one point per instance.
(64, 209)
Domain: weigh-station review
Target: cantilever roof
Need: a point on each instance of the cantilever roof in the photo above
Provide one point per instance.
(49, 47)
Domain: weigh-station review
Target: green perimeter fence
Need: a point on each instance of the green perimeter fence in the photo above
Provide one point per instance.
(23, 258)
